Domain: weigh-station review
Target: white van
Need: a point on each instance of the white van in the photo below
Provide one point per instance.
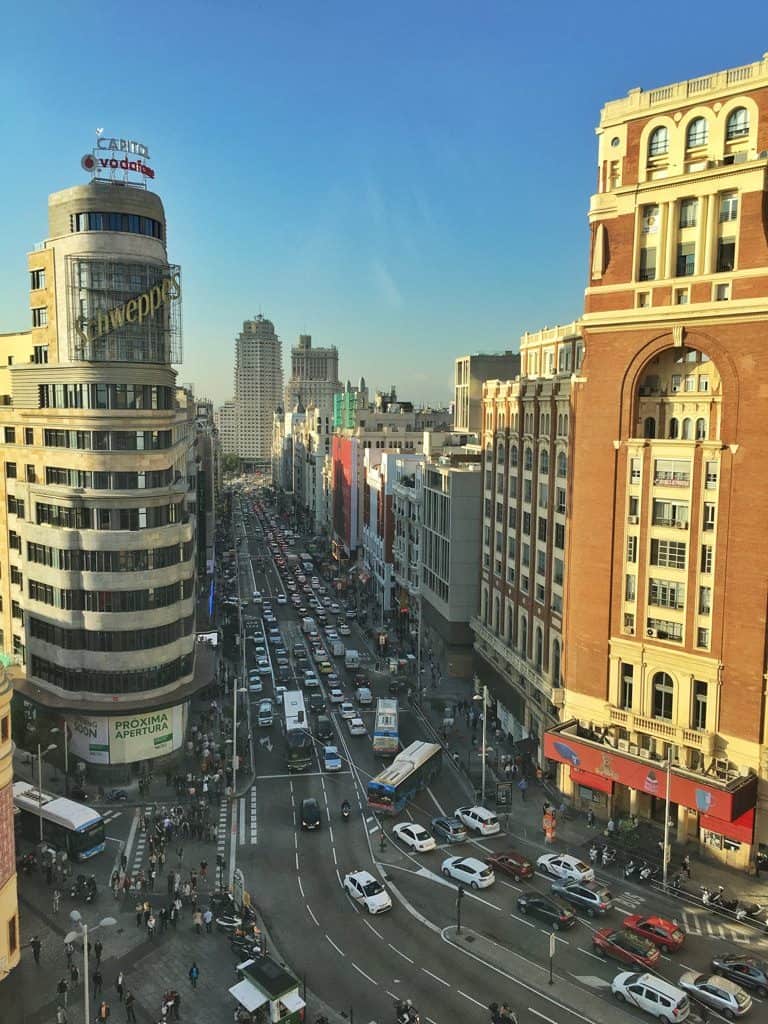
(364, 696)
(652, 994)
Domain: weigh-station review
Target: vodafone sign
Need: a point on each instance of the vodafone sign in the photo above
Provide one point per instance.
(113, 156)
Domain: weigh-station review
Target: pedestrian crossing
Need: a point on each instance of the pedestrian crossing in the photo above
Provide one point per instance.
(248, 821)
(700, 922)
(141, 846)
(111, 815)
(221, 830)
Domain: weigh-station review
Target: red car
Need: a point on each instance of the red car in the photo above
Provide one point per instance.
(625, 946)
(512, 863)
(665, 934)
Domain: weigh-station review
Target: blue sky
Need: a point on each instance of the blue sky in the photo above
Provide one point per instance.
(407, 181)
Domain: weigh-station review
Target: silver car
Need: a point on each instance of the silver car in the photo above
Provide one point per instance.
(720, 993)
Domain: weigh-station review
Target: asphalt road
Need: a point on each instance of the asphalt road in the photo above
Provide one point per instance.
(352, 960)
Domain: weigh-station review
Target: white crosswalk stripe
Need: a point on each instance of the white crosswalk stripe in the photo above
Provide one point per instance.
(111, 815)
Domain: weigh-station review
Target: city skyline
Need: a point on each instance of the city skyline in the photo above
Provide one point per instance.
(387, 206)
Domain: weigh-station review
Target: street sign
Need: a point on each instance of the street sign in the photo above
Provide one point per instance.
(503, 794)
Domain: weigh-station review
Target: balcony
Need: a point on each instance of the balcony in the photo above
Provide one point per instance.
(672, 480)
(667, 732)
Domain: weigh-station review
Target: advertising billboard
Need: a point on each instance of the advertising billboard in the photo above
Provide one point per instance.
(123, 739)
(89, 739)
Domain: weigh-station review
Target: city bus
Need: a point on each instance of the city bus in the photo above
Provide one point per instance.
(298, 741)
(69, 826)
(411, 771)
(385, 738)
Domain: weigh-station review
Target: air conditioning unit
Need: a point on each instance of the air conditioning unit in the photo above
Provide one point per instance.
(629, 630)
(651, 632)
(681, 525)
(633, 520)
(644, 752)
(623, 745)
(739, 158)
(675, 388)
(633, 748)
(763, 154)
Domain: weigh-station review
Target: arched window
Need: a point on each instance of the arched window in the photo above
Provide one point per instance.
(507, 622)
(649, 427)
(556, 663)
(560, 425)
(658, 144)
(701, 429)
(565, 425)
(495, 623)
(686, 434)
(500, 452)
(663, 696)
(543, 461)
(524, 636)
(697, 134)
(528, 459)
(562, 465)
(674, 428)
(484, 605)
(737, 125)
(539, 648)
(513, 455)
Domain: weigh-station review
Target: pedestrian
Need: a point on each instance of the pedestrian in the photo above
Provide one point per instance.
(522, 786)
(194, 974)
(98, 949)
(163, 918)
(74, 975)
(62, 991)
(203, 868)
(98, 982)
(686, 866)
(176, 1005)
(139, 914)
(123, 862)
(69, 949)
(119, 986)
(104, 1010)
(61, 1015)
(197, 921)
(151, 925)
(508, 770)
(590, 818)
(56, 900)
(36, 947)
(130, 999)
(208, 919)
(173, 915)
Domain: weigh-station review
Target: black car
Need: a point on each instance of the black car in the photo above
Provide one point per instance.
(324, 728)
(316, 702)
(747, 971)
(310, 813)
(556, 914)
(298, 650)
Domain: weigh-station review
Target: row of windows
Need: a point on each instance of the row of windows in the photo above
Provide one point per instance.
(106, 640)
(105, 481)
(105, 396)
(697, 133)
(81, 518)
(111, 600)
(662, 696)
(117, 222)
(87, 681)
(108, 440)
(109, 561)
(685, 260)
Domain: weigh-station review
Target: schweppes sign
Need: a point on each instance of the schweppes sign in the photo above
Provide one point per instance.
(134, 311)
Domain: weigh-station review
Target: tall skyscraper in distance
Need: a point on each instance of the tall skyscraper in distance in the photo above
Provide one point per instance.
(258, 390)
(314, 376)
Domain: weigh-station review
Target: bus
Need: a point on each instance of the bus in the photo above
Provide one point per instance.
(67, 825)
(411, 771)
(385, 739)
(298, 741)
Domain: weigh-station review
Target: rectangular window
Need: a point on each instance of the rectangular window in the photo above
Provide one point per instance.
(643, 300)
(710, 512)
(527, 490)
(688, 209)
(650, 225)
(705, 600)
(722, 292)
(726, 255)
(702, 638)
(560, 505)
(706, 558)
(729, 206)
(10, 435)
(527, 523)
(541, 531)
(31, 475)
(630, 582)
(681, 296)
(541, 563)
(525, 555)
(666, 594)
(512, 524)
(672, 472)
(670, 513)
(668, 553)
(557, 571)
(699, 717)
(40, 316)
(626, 686)
(29, 435)
(686, 259)
(635, 471)
(559, 536)
(711, 478)
(37, 279)
(40, 354)
(10, 470)
(647, 264)
(632, 549)
(634, 508)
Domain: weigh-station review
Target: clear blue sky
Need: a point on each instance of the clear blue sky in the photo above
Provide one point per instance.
(408, 181)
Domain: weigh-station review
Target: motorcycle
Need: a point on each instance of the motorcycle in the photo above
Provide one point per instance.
(631, 868)
(710, 898)
(739, 908)
(608, 855)
(593, 852)
(647, 873)
(406, 1013)
(345, 810)
(502, 1014)
(228, 922)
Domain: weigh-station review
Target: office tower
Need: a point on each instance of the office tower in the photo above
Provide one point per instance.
(314, 376)
(258, 391)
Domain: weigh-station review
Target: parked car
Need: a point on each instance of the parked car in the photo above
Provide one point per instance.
(469, 871)
(590, 896)
(415, 836)
(479, 819)
(626, 947)
(310, 814)
(652, 994)
(367, 890)
(665, 934)
(563, 865)
(556, 914)
(748, 971)
(720, 994)
(449, 829)
(511, 863)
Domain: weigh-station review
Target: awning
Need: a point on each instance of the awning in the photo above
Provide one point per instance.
(591, 781)
(742, 829)
(249, 997)
(293, 1002)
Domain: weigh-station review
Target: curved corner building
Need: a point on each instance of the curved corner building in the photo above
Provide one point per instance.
(98, 593)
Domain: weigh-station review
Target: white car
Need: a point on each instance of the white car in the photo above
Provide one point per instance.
(344, 629)
(653, 994)
(365, 889)
(563, 865)
(336, 695)
(469, 871)
(282, 599)
(348, 709)
(279, 691)
(356, 727)
(331, 759)
(479, 819)
(415, 836)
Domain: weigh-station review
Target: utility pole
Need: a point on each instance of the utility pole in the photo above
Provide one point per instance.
(459, 898)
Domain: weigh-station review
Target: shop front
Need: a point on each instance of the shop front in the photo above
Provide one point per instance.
(719, 814)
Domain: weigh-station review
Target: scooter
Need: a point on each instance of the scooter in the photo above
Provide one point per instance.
(406, 1013)
(345, 810)
(593, 852)
(647, 873)
(630, 868)
(608, 856)
(502, 1014)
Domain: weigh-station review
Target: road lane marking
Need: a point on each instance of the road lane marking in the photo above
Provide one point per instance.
(441, 980)
(400, 952)
(471, 999)
(548, 1019)
(361, 971)
(311, 914)
(522, 920)
(338, 950)
(590, 953)
(510, 885)
(301, 887)
(374, 930)
(241, 821)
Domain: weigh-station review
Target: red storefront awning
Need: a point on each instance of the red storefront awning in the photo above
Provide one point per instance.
(742, 829)
(727, 803)
(590, 780)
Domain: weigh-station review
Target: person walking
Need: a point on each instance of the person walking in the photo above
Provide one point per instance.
(98, 949)
(36, 945)
(151, 925)
(203, 869)
(176, 1005)
(62, 991)
(69, 949)
(61, 1015)
(523, 787)
(120, 985)
(139, 914)
(173, 915)
(197, 921)
(685, 865)
(104, 1011)
(56, 900)
(98, 983)
(194, 974)
(74, 975)
(163, 919)
(208, 919)
(130, 999)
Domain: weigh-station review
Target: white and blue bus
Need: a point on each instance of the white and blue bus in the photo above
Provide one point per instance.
(411, 771)
(298, 741)
(69, 826)
(385, 737)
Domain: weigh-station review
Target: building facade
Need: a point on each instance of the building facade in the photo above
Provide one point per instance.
(10, 943)
(518, 632)
(314, 376)
(258, 391)
(98, 577)
(469, 374)
(225, 419)
(667, 565)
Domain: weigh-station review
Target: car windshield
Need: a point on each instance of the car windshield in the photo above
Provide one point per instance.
(372, 888)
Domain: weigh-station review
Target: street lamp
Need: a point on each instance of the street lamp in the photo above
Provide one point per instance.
(76, 918)
(484, 698)
(40, 754)
(665, 851)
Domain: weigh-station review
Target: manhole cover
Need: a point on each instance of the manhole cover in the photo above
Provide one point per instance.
(469, 938)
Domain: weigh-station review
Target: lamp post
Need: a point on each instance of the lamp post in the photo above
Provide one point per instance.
(665, 852)
(40, 754)
(459, 898)
(484, 698)
(76, 918)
